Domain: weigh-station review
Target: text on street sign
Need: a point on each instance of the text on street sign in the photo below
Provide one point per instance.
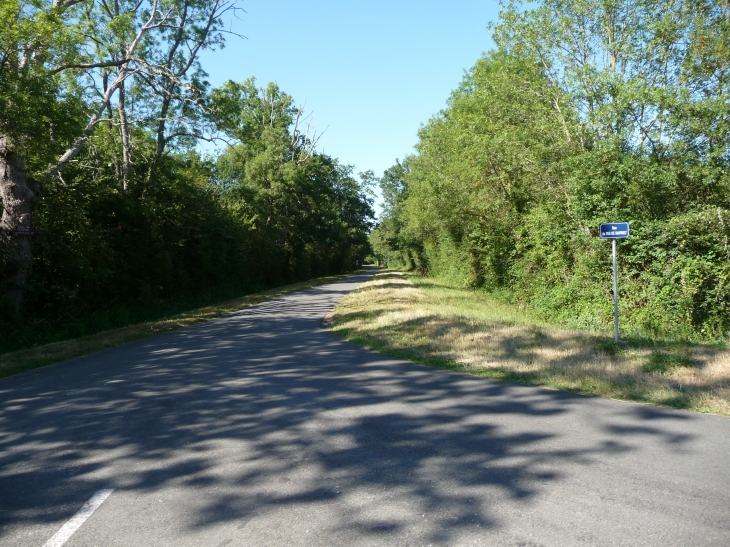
(614, 230)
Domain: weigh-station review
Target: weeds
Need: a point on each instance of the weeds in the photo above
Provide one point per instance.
(435, 324)
(666, 363)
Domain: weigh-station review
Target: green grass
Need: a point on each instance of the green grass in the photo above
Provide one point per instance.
(27, 359)
(435, 324)
(666, 363)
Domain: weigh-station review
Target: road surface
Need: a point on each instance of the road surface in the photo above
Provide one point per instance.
(261, 428)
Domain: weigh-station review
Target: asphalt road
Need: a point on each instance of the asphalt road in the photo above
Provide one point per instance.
(260, 428)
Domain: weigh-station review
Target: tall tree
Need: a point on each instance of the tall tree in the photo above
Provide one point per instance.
(300, 204)
(39, 39)
(650, 76)
(590, 111)
(56, 44)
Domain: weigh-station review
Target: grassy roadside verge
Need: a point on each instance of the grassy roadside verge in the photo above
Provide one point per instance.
(26, 359)
(431, 323)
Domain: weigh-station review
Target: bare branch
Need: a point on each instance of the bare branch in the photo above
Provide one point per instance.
(122, 74)
(65, 4)
(103, 64)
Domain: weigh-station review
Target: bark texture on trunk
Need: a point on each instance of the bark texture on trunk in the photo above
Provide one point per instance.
(17, 202)
(126, 140)
(161, 141)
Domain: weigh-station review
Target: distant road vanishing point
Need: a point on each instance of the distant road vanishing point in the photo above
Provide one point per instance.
(261, 428)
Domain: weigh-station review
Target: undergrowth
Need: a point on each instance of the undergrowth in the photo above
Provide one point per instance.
(435, 324)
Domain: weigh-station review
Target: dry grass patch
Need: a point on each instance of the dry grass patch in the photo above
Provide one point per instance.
(19, 361)
(438, 325)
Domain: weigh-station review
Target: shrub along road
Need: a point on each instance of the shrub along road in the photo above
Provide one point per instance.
(261, 428)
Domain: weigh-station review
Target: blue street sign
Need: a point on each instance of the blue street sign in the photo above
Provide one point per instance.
(616, 230)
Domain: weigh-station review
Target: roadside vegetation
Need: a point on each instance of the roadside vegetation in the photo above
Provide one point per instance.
(587, 112)
(435, 323)
(111, 214)
(27, 359)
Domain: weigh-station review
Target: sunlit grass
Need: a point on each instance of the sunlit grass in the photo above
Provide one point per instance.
(429, 322)
(18, 361)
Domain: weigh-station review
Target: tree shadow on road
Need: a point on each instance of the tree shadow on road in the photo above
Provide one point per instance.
(261, 415)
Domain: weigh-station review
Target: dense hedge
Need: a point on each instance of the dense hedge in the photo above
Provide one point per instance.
(256, 216)
(540, 144)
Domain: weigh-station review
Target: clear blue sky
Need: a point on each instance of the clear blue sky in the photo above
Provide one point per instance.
(370, 71)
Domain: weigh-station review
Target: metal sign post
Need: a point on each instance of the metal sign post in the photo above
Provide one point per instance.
(615, 293)
(614, 231)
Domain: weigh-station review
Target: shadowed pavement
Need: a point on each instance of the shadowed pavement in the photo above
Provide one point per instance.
(260, 428)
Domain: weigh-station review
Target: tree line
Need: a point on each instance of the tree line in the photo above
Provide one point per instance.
(109, 212)
(587, 111)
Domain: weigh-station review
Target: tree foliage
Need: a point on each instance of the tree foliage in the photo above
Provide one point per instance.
(101, 107)
(589, 111)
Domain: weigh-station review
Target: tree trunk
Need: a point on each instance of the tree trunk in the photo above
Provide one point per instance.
(17, 202)
(161, 141)
(126, 141)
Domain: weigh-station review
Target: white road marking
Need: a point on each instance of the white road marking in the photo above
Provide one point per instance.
(78, 519)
